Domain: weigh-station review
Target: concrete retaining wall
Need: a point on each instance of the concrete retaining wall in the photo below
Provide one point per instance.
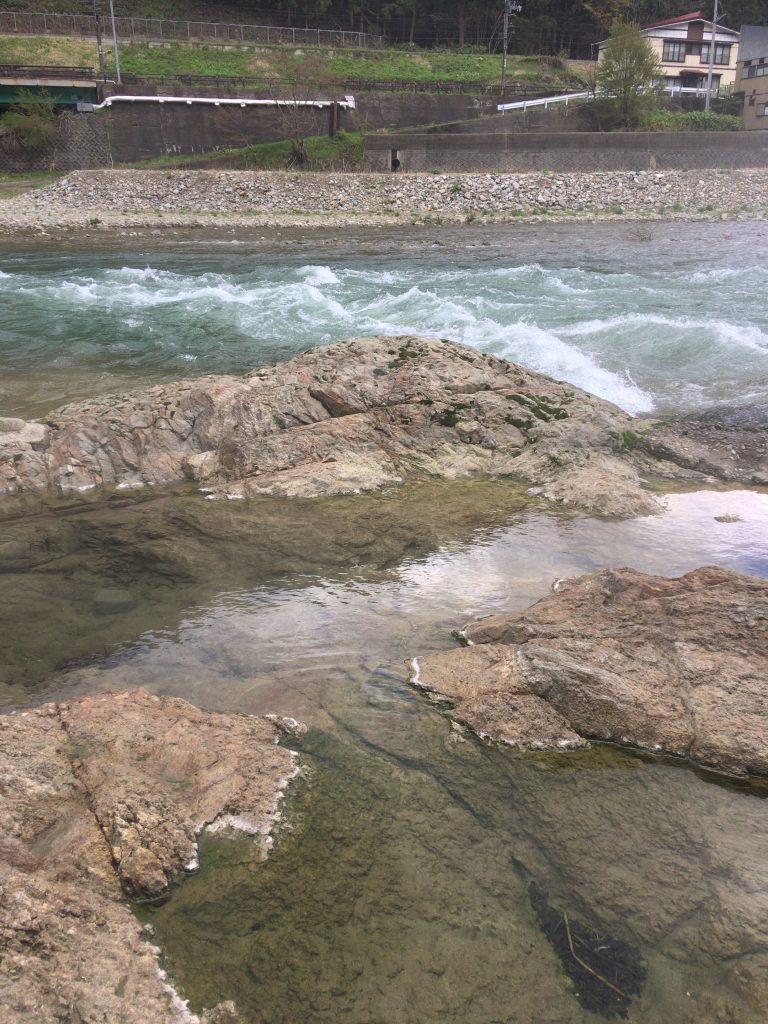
(569, 151)
(130, 132)
(143, 130)
(139, 131)
(82, 142)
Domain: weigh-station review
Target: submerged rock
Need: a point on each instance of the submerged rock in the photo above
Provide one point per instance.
(113, 600)
(340, 419)
(104, 795)
(678, 666)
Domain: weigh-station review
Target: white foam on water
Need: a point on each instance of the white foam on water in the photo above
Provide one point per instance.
(720, 274)
(747, 335)
(520, 341)
(544, 351)
(512, 272)
(319, 275)
(639, 338)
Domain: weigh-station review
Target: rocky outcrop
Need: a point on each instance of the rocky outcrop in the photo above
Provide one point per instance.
(105, 795)
(727, 442)
(678, 666)
(344, 418)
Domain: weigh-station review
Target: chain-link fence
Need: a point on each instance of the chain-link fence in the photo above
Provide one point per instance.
(35, 24)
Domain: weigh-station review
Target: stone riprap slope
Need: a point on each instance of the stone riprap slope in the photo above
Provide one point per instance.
(678, 666)
(343, 418)
(143, 197)
(102, 795)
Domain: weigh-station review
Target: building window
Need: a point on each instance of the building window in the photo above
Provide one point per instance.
(674, 52)
(756, 71)
(722, 53)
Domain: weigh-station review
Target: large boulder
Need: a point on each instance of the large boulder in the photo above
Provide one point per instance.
(340, 419)
(102, 796)
(678, 666)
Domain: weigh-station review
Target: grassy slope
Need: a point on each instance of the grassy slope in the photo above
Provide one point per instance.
(345, 150)
(383, 65)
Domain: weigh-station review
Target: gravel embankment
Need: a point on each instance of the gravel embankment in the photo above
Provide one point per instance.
(92, 199)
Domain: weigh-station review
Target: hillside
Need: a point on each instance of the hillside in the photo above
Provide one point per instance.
(276, 62)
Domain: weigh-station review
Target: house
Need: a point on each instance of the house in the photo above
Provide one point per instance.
(682, 46)
(752, 75)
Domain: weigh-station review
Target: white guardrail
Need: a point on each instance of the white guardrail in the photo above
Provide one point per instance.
(673, 90)
(544, 101)
(348, 103)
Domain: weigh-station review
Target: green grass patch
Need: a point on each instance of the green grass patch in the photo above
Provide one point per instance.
(38, 177)
(49, 50)
(344, 150)
(690, 121)
(139, 58)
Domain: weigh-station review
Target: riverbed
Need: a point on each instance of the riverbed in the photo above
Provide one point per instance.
(402, 884)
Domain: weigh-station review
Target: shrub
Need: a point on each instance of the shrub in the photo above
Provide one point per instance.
(29, 124)
(690, 121)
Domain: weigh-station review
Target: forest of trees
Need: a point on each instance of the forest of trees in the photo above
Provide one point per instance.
(544, 26)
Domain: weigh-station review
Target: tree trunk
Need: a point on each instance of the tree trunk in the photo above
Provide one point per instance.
(462, 22)
(413, 23)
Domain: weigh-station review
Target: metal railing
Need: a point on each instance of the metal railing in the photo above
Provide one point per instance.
(348, 103)
(690, 90)
(566, 98)
(41, 23)
(544, 101)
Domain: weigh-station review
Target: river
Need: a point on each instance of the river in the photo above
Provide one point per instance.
(400, 887)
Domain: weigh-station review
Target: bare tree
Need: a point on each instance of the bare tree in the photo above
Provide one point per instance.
(301, 83)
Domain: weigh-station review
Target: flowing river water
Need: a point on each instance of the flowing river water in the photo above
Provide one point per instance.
(408, 877)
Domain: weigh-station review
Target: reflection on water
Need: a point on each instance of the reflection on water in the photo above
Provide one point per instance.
(253, 648)
(398, 891)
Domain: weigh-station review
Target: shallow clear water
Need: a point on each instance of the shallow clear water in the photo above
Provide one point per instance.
(673, 322)
(399, 891)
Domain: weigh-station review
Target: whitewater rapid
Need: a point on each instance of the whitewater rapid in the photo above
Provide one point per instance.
(642, 334)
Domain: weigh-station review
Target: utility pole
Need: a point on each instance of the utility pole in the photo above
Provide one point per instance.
(715, 18)
(511, 7)
(99, 41)
(114, 40)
